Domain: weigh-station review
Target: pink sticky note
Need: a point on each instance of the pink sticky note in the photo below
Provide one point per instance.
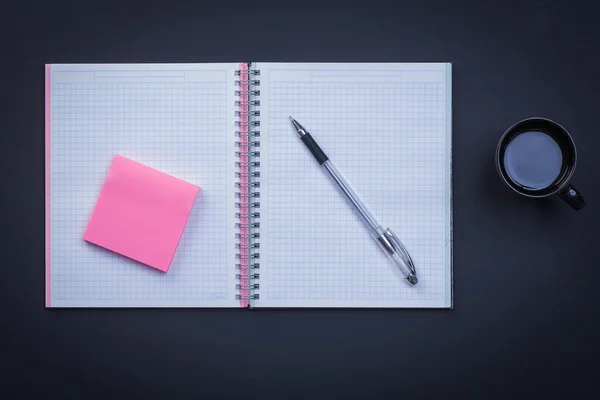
(141, 213)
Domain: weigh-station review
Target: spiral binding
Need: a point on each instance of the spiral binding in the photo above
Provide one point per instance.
(247, 180)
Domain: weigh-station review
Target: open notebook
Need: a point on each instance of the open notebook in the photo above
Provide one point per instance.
(268, 228)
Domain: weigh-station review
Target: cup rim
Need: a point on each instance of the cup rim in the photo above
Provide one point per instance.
(567, 179)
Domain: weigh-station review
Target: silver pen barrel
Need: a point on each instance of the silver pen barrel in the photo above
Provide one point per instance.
(363, 211)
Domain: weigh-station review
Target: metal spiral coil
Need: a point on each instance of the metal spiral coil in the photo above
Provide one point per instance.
(255, 235)
(253, 276)
(250, 92)
(254, 72)
(247, 182)
(255, 204)
(250, 266)
(254, 143)
(247, 246)
(244, 134)
(247, 215)
(247, 297)
(254, 174)
(239, 225)
(247, 164)
(247, 153)
(245, 103)
(253, 113)
(251, 286)
(247, 123)
(251, 82)
(246, 195)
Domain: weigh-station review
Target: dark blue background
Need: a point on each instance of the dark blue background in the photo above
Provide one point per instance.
(527, 273)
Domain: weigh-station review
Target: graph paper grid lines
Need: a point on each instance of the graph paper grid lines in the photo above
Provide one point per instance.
(175, 118)
(386, 127)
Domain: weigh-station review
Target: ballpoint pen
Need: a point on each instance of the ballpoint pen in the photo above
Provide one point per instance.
(386, 239)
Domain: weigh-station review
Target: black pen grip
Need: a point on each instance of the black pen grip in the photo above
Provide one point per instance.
(314, 148)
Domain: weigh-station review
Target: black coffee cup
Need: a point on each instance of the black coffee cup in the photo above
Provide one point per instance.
(536, 157)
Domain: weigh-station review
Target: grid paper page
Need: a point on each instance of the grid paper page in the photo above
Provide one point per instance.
(388, 129)
(178, 119)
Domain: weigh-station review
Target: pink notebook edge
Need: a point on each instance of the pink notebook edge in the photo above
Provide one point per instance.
(47, 189)
(244, 108)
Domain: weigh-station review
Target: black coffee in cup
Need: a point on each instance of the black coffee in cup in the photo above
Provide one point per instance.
(536, 158)
(533, 160)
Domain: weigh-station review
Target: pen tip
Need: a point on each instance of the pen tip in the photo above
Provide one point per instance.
(297, 126)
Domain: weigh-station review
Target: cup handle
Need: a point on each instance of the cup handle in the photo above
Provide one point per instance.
(573, 197)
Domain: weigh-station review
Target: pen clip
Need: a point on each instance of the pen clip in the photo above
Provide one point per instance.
(399, 247)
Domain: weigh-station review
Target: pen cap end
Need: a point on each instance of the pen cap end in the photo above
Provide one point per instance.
(397, 253)
(412, 279)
